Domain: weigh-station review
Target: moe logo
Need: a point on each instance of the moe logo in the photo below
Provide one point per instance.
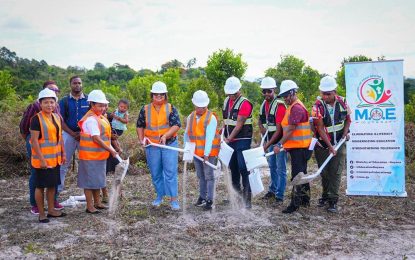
(374, 101)
(372, 92)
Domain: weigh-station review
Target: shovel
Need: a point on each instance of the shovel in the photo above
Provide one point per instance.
(189, 152)
(302, 178)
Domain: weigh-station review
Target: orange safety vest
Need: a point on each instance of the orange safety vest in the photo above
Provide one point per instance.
(157, 122)
(88, 149)
(197, 133)
(50, 145)
(301, 136)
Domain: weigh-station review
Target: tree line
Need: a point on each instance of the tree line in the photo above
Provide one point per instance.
(21, 80)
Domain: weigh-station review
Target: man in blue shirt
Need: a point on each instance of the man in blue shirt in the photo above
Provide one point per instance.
(73, 107)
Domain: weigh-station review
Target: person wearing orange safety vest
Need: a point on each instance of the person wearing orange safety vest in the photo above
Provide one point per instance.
(295, 140)
(48, 153)
(159, 122)
(94, 150)
(201, 129)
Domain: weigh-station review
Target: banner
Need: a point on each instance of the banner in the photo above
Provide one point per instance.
(376, 149)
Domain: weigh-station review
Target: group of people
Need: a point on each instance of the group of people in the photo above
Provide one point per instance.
(53, 131)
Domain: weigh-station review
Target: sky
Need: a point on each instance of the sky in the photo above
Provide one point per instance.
(146, 34)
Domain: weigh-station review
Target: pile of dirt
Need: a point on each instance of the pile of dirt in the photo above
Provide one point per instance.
(365, 227)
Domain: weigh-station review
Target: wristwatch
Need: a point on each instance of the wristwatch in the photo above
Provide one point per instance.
(279, 145)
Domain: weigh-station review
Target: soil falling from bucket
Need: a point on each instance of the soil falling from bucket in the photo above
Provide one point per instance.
(119, 174)
(233, 197)
(184, 188)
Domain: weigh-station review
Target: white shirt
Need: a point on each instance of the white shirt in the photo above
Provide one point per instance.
(91, 127)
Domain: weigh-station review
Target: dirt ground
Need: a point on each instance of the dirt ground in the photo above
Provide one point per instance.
(364, 228)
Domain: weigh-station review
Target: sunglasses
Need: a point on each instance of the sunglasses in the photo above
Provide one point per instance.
(55, 90)
(265, 91)
(327, 93)
(159, 94)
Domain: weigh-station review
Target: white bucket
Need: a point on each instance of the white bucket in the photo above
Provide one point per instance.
(225, 153)
(255, 182)
(189, 148)
(255, 158)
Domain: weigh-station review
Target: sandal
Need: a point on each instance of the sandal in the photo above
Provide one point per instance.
(45, 220)
(101, 207)
(63, 214)
(92, 212)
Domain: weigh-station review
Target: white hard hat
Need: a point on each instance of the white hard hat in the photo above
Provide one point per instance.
(200, 99)
(232, 85)
(159, 87)
(287, 85)
(268, 82)
(47, 93)
(328, 83)
(97, 96)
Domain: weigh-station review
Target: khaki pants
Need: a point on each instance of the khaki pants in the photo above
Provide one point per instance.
(331, 174)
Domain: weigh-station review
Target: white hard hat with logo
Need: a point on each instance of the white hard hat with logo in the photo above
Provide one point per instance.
(268, 83)
(97, 96)
(159, 87)
(47, 93)
(328, 83)
(232, 85)
(286, 86)
(200, 99)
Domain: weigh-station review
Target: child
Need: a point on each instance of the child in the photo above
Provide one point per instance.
(201, 128)
(120, 117)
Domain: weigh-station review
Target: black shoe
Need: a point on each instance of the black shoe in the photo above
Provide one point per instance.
(278, 200)
(268, 196)
(305, 203)
(321, 202)
(208, 205)
(200, 202)
(332, 207)
(290, 209)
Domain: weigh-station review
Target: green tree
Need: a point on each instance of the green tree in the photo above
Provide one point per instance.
(202, 83)
(293, 68)
(173, 64)
(290, 67)
(138, 90)
(8, 97)
(341, 81)
(222, 65)
(410, 109)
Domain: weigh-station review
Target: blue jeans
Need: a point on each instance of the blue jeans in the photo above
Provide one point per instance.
(278, 170)
(238, 166)
(70, 145)
(32, 172)
(163, 168)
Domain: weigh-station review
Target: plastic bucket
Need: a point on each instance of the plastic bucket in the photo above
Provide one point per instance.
(225, 153)
(189, 148)
(255, 182)
(255, 158)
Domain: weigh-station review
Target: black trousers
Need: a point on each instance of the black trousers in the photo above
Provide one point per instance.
(300, 193)
(238, 166)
